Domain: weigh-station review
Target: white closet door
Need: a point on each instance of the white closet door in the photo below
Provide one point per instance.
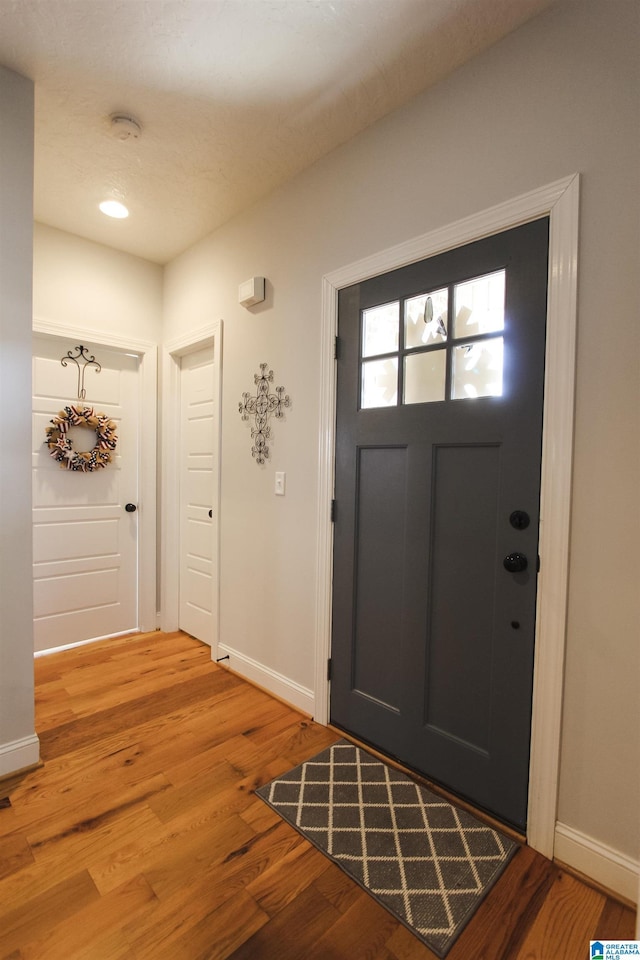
(197, 464)
(85, 544)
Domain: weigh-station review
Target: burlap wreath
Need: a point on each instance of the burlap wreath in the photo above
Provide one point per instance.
(61, 447)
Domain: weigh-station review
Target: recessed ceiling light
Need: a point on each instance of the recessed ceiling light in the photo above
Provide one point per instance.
(113, 208)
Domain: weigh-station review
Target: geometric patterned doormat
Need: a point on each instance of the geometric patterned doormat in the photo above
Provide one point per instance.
(428, 862)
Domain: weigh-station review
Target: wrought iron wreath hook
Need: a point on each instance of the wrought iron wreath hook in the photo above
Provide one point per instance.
(260, 408)
(81, 354)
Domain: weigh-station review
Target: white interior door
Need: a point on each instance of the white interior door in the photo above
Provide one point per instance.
(85, 544)
(197, 464)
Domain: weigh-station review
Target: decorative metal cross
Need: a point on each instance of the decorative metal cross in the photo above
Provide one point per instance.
(81, 354)
(261, 407)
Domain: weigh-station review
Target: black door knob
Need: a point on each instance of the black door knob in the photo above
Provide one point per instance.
(515, 562)
(130, 507)
(210, 513)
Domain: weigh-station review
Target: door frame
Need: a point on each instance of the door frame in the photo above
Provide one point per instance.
(147, 354)
(559, 201)
(172, 353)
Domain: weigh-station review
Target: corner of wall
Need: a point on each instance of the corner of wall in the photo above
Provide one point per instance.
(601, 863)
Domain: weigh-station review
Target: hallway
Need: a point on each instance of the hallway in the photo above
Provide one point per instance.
(140, 836)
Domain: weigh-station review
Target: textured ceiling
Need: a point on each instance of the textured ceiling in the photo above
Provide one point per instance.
(234, 97)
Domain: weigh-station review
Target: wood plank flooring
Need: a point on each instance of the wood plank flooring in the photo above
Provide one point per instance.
(140, 837)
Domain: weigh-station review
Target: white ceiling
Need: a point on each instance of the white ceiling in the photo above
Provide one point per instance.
(234, 97)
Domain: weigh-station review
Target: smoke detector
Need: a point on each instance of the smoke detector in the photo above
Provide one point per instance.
(124, 127)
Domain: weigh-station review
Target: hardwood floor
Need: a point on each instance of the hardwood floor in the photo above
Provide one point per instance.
(140, 837)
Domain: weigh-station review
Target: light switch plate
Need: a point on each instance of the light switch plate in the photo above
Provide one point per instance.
(280, 483)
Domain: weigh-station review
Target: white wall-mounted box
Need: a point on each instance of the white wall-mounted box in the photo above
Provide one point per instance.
(251, 292)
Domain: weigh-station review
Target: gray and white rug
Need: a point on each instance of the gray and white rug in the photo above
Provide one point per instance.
(428, 862)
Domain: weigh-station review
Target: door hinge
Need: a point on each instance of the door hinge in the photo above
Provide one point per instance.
(329, 669)
(333, 511)
(336, 348)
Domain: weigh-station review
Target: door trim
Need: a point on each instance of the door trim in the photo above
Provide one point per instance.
(560, 201)
(148, 397)
(172, 353)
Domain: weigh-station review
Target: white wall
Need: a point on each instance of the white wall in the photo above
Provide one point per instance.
(83, 284)
(18, 742)
(559, 96)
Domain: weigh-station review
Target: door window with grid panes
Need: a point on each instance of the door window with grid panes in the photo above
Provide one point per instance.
(444, 344)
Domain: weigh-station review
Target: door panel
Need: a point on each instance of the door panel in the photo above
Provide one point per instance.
(85, 546)
(381, 523)
(465, 517)
(197, 463)
(439, 420)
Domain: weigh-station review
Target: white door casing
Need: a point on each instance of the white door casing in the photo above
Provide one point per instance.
(197, 465)
(173, 352)
(94, 563)
(560, 200)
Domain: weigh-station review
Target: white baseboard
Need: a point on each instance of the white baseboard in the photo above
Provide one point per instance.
(84, 643)
(270, 680)
(601, 863)
(19, 754)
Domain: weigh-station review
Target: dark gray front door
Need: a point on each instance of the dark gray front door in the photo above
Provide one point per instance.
(439, 424)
